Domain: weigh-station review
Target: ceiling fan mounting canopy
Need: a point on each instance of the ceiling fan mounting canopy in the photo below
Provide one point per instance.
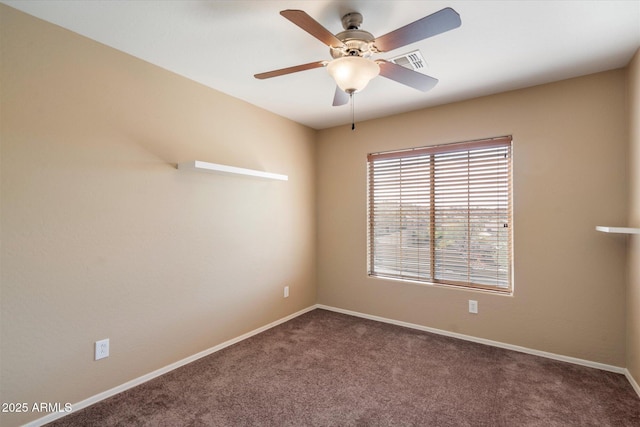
(352, 66)
(352, 21)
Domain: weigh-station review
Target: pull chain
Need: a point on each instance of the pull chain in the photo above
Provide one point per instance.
(353, 112)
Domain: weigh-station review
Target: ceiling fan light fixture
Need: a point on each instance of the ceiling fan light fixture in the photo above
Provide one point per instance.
(352, 73)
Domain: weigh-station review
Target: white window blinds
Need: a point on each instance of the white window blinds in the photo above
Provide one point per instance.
(442, 214)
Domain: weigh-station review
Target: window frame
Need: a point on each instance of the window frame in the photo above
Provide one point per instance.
(434, 153)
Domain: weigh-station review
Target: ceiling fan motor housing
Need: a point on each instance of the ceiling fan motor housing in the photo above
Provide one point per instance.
(356, 43)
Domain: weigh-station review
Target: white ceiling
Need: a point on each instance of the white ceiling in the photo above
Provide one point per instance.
(501, 45)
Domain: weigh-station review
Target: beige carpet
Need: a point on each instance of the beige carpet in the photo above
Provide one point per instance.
(329, 369)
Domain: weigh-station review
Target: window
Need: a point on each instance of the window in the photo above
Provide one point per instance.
(442, 214)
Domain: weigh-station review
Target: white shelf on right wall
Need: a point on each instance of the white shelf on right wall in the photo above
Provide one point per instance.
(619, 230)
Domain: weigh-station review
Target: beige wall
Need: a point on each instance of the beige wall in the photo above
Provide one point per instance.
(570, 158)
(103, 237)
(633, 286)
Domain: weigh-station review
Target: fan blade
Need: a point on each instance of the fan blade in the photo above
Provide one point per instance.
(406, 76)
(434, 24)
(311, 26)
(340, 97)
(289, 70)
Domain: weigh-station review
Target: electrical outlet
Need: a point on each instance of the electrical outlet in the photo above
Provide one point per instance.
(473, 306)
(286, 292)
(102, 349)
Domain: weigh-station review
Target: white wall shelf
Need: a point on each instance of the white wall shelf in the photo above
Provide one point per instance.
(215, 167)
(619, 230)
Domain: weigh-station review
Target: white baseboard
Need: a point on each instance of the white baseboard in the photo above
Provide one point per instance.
(632, 380)
(143, 379)
(140, 380)
(548, 355)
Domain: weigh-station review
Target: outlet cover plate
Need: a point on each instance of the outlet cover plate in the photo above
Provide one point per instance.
(473, 306)
(102, 349)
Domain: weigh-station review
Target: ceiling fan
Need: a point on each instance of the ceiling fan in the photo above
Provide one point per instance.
(352, 66)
